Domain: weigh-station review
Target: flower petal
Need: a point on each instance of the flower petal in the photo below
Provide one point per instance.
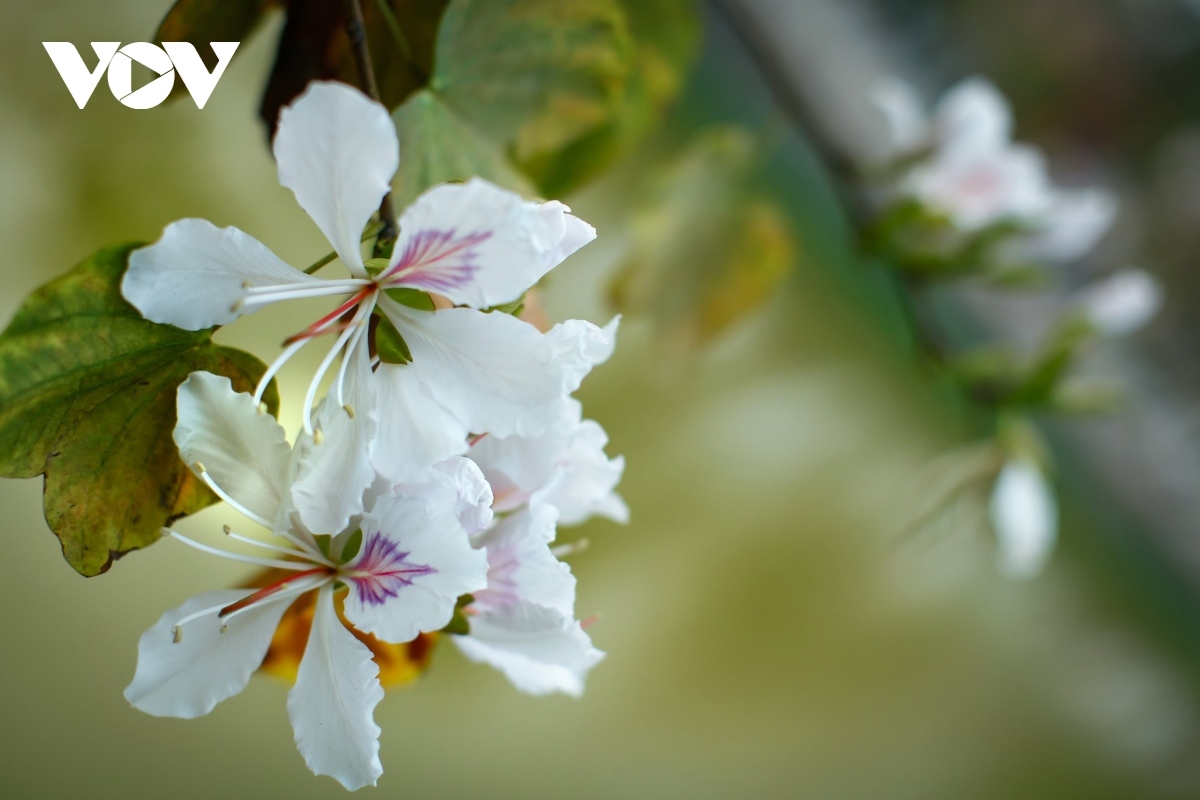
(243, 449)
(458, 487)
(521, 567)
(1073, 226)
(1121, 303)
(188, 678)
(334, 474)
(195, 276)
(1024, 515)
(337, 151)
(333, 702)
(974, 118)
(494, 372)
(415, 431)
(585, 480)
(417, 557)
(903, 113)
(480, 245)
(538, 649)
(580, 345)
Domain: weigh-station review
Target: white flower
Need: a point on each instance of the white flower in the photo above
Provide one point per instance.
(475, 244)
(523, 623)
(1024, 516)
(565, 466)
(413, 561)
(968, 168)
(1121, 303)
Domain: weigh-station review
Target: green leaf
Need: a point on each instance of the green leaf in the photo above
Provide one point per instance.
(413, 298)
(87, 398)
(515, 307)
(389, 344)
(707, 248)
(665, 36)
(439, 147)
(534, 75)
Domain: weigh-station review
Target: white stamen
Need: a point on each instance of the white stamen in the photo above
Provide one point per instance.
(177, 629)
(262, 562)
(299, 587)
(278, 548)
(276, 365)
(349, 354)
(262, 295)
(571, 548)
(221, 493)
(344, 337)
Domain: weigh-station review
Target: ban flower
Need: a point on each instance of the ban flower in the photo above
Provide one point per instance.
(473, 244)
(403, 564)
(963, 163)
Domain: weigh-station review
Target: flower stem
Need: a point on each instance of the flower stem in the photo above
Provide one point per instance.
(357, 33)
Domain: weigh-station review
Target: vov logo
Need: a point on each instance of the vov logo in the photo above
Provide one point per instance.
(172, 57)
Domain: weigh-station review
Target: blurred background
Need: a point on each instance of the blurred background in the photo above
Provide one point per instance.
(775, 625)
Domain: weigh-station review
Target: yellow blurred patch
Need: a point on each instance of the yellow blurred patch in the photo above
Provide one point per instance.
(399, 664)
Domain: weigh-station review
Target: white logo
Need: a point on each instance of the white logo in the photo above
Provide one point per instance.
(165, 61)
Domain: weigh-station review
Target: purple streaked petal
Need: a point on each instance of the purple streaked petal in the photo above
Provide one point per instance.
(383, 570)
(437, 260)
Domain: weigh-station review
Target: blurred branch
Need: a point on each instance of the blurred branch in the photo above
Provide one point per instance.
(357, 33)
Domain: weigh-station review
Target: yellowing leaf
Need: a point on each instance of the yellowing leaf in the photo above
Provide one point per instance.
(87, 398)
(706, 249)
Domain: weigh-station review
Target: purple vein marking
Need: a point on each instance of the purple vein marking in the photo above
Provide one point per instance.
(383, 570)
(437, 260)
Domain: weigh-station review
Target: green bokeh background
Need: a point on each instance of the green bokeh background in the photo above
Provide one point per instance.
(770, 632)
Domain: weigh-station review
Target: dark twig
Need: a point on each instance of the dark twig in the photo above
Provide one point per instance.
(357, 33)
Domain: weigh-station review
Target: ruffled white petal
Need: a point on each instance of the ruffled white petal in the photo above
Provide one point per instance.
(580, 345)
(538, 649)
(415, 431)
(1122, 303)
(480, 245)
(334, 474)
(197, 274)
(187, 679)
(903, 113)
(977, 191)
(337, 151)
(243, 449)
(415, 562)
(973, 119)
(521, 567)
(494, 372)
(585, 480)
(333, 702)
(1073, 226)
(455, 486)
(1024, 516)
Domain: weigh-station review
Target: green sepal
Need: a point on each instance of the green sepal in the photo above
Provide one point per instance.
(323, 541)
(514, 308)
(389, 344)
(413, 298)
(460, 624)
(351, 547)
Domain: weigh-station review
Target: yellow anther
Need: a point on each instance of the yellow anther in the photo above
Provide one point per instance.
(349, 410)
(177, 634)
(228, 530)
(199, 467)
(318, 436)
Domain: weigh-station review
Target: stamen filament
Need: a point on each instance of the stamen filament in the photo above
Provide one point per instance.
(195, 615)
(571, 548)
(262, 295)
(277, 548)
(324, 322)
(354, 340)
(262, 562)
(308, 584)
(356, 323)
(221, 493)
(270, 589)
(276, 365)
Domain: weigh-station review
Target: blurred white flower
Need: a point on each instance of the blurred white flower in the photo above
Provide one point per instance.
(1024, 516)
(966, 166)
(1121, 303)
